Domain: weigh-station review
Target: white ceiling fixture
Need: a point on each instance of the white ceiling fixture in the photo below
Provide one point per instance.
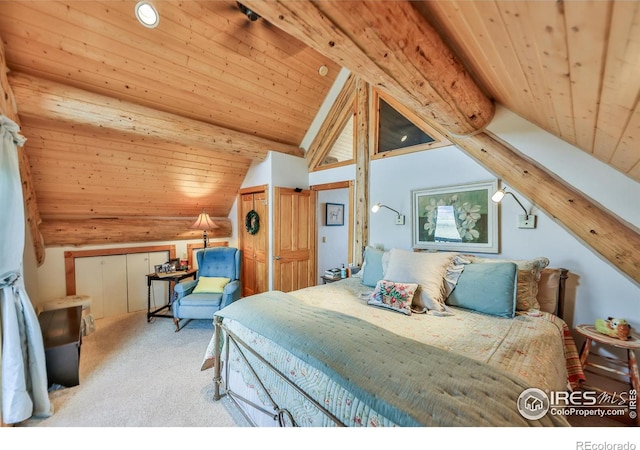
(147, 14)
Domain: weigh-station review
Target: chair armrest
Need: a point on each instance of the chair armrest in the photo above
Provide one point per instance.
(231, 293)
(184, 288)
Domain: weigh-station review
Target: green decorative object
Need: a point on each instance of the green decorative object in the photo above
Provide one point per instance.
(617, 328)
(252, 222)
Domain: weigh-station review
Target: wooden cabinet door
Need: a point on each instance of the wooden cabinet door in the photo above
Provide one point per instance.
(89, 282)
(138, 266)
(114, 285)
(104, 279)
(254, 247)
(293, 239)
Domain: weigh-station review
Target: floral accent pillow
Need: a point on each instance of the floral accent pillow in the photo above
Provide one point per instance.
(394, 296)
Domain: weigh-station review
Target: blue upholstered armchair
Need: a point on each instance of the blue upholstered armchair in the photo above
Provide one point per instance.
(212, 262)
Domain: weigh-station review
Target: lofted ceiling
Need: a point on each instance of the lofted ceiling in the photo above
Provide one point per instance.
(570, 67)
(205, 64)
(125, 121)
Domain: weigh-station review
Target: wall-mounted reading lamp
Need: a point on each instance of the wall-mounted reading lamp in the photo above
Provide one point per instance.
(399, 219)
(524, 221)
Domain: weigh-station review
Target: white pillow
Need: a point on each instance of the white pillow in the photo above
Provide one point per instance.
(428, 270)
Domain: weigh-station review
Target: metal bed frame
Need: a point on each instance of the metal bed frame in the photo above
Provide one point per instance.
(222, 387)
(282, 416)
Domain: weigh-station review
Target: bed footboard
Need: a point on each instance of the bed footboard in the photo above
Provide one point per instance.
(281, 416)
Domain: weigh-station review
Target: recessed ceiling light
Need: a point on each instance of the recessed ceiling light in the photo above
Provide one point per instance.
(147, 14)
(323, 70)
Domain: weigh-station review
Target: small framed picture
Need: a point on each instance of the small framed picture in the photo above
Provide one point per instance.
(334, 215)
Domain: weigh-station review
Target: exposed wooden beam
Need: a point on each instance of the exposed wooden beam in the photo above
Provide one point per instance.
(586, 220)
(9, 109)
(391, 46)
(110, 231)
(41, 98)
(331, 128)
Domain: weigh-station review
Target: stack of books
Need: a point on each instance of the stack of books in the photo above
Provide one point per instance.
(332, 273)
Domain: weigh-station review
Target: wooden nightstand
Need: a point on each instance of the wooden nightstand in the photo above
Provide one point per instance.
(327, 280)
(630, 345)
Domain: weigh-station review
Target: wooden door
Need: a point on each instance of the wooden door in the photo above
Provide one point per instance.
(293, 239)
(254, 247)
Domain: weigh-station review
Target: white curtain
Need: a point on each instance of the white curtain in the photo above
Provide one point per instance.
(24, 372)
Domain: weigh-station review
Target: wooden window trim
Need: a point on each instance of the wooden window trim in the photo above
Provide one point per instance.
(325, 152)
(340, 185)
(342, 109)
(71, 256)
(439, 139)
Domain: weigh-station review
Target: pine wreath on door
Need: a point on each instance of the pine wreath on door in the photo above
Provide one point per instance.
(253, 241)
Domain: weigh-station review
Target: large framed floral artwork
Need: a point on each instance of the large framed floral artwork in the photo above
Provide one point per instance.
(456, 218)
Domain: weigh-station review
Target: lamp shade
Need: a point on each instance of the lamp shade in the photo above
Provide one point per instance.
(204, 222)
(498, 195)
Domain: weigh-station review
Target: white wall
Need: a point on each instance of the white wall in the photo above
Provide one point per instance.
(333, 241)
(325, 108)
(595, 288)
(574, 166)
(342, 173)
(50, 278)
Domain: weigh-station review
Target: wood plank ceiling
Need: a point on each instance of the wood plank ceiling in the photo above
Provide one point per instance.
(124, 121)
(572, 68)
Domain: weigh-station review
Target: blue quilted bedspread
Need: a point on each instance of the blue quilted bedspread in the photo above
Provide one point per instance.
(408, 382)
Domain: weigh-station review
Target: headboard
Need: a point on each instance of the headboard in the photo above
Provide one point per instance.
(551, 288)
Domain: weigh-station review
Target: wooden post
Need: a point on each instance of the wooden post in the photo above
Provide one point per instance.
(362, 169)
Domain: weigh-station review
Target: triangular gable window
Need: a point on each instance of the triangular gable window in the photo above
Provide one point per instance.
(398, 132)
(342, 148)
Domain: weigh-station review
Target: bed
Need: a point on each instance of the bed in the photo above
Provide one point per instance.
(474, 334)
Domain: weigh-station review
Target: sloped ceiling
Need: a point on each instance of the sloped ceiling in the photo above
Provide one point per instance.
(166, 121)
(126, 121)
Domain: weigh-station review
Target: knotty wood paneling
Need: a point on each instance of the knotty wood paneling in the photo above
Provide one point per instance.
(167, 119)
(569, 67)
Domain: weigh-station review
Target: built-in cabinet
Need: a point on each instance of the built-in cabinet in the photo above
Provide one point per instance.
(117, 283)
(104, 279)
(138, 266)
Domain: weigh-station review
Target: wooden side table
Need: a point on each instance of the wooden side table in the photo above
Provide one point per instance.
(172, 278)
(630, 345)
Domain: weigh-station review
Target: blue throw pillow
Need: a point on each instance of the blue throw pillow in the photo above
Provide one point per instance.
(488, 288)
(372, 269)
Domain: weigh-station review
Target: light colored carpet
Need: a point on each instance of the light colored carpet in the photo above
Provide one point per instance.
(139, 374)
